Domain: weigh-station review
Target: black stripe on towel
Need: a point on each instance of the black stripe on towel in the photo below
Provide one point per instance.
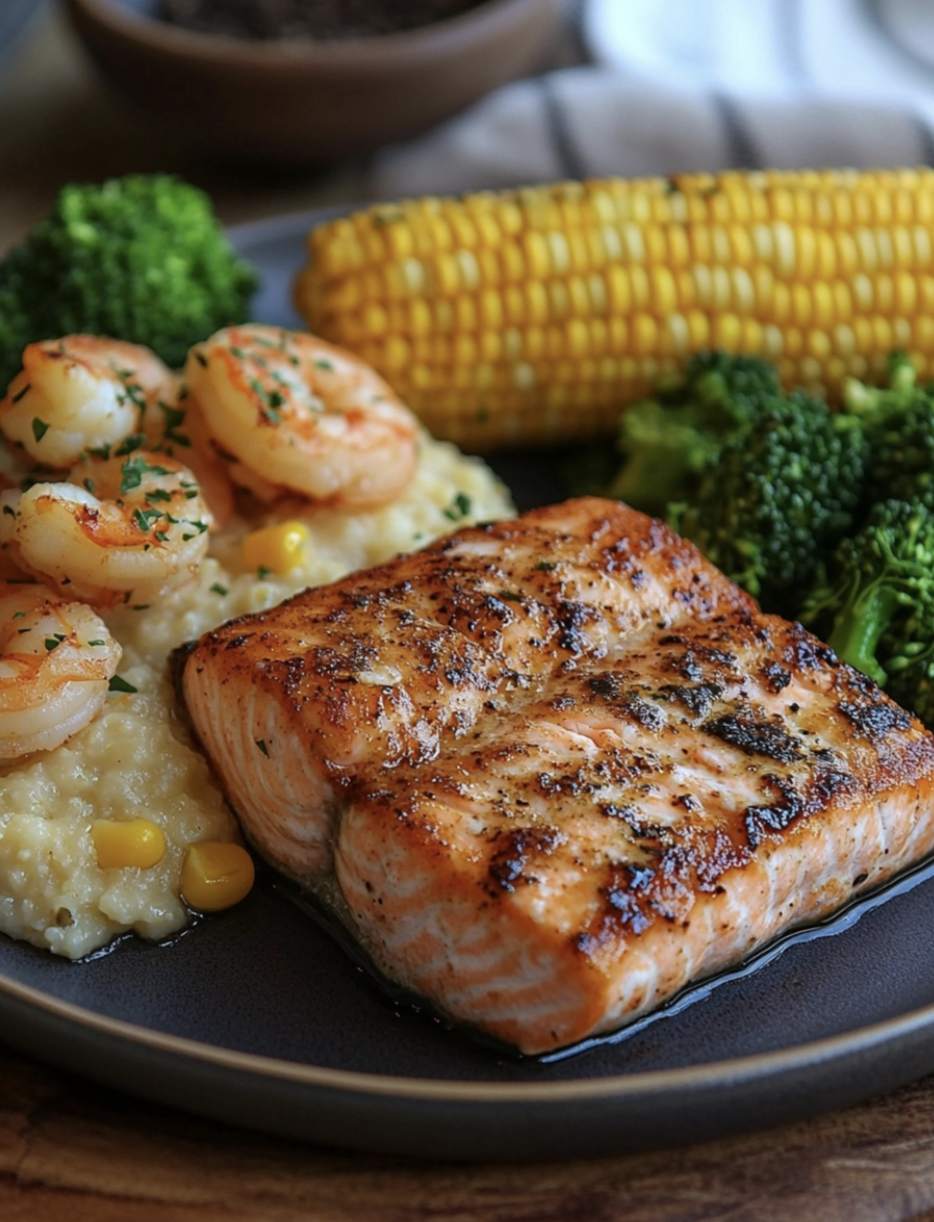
(574, 32)
(925, 139)
(742, 153)
(570, 163)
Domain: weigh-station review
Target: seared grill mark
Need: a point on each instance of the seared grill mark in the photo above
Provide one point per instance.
(513, 852)
(760, 820)
(803, 652)
(648, 715)
(776, 677)
(875, 719)
(753, 736)
(698, 699)
(553, 792)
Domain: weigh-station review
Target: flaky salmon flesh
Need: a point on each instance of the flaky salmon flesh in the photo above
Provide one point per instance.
(551, 770)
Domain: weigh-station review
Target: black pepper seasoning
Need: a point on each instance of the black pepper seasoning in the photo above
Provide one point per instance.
(321, 20)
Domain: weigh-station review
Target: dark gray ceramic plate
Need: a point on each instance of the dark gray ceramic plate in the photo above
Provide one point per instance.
(258, 1017)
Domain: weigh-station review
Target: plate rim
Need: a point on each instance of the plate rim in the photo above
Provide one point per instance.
(682, 1078)
(735, 1076)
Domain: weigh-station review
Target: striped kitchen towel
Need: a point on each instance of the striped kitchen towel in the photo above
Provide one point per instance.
(661, 86)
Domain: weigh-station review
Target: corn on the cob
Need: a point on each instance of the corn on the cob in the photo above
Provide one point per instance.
(533, 315)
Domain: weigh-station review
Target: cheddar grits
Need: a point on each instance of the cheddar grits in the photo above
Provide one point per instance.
(136, 760)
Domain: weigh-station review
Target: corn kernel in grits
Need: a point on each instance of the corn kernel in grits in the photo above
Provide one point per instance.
(216, 874)
(278, 549)
(130, 842)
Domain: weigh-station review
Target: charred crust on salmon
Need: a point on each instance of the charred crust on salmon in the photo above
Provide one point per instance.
(513, 852)
(754, 736)
(875, 718)
(548, 795)
(698, 699)
(776, 676)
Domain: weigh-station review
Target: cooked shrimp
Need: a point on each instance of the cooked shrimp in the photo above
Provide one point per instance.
(185, 437)
(56, 661)
(122, 530)
(300, 415)
(81, 394)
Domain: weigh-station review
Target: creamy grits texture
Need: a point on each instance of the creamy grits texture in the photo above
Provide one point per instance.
(137, 760)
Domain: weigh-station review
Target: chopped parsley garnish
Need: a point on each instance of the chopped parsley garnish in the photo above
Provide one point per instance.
(271, 400)
(129, 444)
(134, 392)
(265, 343)
(200, 527)
(21, 393)
(144, 518)
(217, 588)
(174, 419)
(119, 684)
(546, 566)
(261, 743)
(39, 428)
(135, 469)
(459, 508)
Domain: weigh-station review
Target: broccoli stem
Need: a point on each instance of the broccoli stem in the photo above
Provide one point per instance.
(856, 635)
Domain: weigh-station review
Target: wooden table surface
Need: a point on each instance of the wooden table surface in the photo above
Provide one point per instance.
(72, 1150)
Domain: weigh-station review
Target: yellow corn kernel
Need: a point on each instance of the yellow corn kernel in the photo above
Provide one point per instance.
(216, 874)
(278, 549)
(884, 293)
(120, 843)
(817, 268)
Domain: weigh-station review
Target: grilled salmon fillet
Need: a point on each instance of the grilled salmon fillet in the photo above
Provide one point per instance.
(551, 770)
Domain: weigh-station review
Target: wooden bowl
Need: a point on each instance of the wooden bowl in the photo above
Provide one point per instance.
(307, 102)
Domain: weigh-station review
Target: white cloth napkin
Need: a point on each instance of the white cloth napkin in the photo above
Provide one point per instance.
(677, 85)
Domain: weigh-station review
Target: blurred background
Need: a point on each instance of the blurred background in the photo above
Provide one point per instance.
(593, 87)
(63, 120)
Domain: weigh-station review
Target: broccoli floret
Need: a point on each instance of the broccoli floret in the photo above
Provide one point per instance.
(666, 440)
(876, 607)
(725, 388)
(140, 258)
(899, 423)
(664, 449)
(780, 495)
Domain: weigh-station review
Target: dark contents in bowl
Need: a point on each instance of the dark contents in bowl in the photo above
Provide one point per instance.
(325, 20)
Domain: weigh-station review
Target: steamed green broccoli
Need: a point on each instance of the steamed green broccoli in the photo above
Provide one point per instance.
(899, 423)
(140, 258)
(779, 496)
(668, 439)
(876, 606)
